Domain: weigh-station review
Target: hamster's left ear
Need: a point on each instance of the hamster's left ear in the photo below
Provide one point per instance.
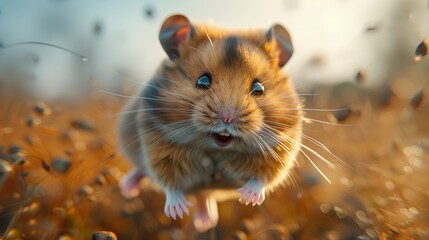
(175, 31)
(280, 36)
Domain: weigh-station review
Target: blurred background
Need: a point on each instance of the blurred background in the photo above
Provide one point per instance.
(334, 39)
(363, 61)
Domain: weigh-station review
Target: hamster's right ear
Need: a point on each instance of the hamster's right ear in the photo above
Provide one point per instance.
(175, 31)
(283, 42)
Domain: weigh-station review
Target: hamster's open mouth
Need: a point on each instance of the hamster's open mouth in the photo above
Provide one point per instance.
(223, 138)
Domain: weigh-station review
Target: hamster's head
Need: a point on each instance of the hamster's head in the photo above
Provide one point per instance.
(231, 84)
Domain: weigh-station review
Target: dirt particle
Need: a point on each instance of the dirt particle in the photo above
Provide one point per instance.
(42, 109)
(239, 235)
(32, 208)
(32, 121)
(86, 190)
(104, 235)
(82, 124)
(101, 179)
(5, 167)
(15, 149)
(31, 140)
(247, 225)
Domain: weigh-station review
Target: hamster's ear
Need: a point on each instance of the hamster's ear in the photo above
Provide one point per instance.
(280, 36)
(175, 31)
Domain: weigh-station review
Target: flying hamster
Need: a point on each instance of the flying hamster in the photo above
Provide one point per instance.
(219, 116)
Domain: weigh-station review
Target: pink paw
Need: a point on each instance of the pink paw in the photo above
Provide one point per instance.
(176, 204)
(252, 192)
(130, 183)
(206, 214)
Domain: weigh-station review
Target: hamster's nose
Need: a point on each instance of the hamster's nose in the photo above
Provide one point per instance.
(227, 118)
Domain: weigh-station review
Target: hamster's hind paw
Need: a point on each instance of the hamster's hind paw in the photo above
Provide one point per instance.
(175, 204)
(130, 183)
(252, 192)
(206, 214)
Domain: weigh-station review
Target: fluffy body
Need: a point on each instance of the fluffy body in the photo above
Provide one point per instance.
(169, 131)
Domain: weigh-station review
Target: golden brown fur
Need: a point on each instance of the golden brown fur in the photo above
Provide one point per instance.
(174, 120)
(177, 162)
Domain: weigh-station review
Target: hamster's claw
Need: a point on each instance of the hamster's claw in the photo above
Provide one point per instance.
(252, 192)
(176, 204)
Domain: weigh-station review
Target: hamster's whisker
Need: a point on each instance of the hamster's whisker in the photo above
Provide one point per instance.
(188, 62)
(196, 49)
(173, 81)
(315, 166)
(258, 141)
(177, 82)
(266, 81)
(310, 120)
(139, 120)
(315, 109)
(151, 109)
(208, 37)
(169, 135)
(213, 94)
(281, 144)
(200, 63)
(216, 99)
(263, 41)
(274, 99)
(189, 79)
(314, 141)
(138, 97)
(116, 94)
(324, 147)
(293, 141)
(178, 130)
(171, 92)
(329, 163)
(306, 120)
(270, 149)
(129, 79)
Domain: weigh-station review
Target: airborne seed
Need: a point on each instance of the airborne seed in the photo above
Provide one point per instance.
(61, 165)
(422, 50)
(360, 77)
(417, 99)
(46, 166)
(342, 114)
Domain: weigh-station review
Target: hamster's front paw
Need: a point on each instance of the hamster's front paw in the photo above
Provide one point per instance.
(175, 204)
(130, 183)
(252, 192)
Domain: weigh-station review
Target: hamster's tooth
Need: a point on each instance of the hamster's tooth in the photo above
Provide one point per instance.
(225, 133)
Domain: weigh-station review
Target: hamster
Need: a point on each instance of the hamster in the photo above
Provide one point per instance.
(218, 116)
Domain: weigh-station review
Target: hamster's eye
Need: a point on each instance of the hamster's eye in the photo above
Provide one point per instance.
(257, 88)
(204, 82)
